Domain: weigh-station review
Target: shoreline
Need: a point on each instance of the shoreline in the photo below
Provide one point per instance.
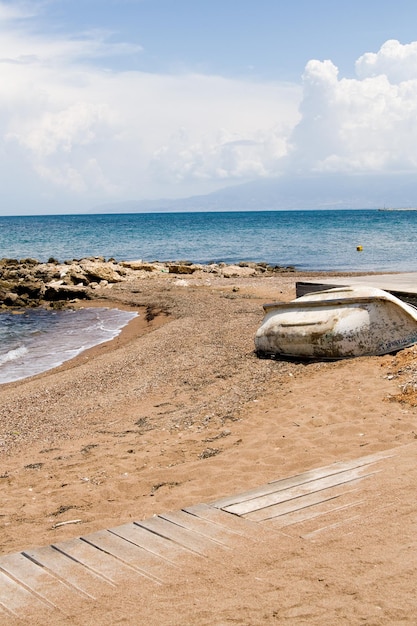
(179, 411)
(139, 325)
(136, 327)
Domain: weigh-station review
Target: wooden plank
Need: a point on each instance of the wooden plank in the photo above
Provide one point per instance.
(313, 534)
(164, 549)
(97, 560)
(304, 477)
(17, 600)
(201, 526)
(238, 525)
(174, 533)
(330, 498)
(341, 466)
(289, 506)
(41, 582)
(296, 492)
(310, 513)
(69, 571)
(303, 288)
(365, 513)
(4, 613)
(144, 562)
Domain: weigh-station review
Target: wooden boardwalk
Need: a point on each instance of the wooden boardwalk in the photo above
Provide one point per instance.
(403, 285)
(64, 575)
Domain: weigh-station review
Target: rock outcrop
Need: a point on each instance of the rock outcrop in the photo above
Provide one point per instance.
(30, 283)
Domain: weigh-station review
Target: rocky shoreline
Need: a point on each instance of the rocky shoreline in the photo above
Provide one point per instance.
(31, 283)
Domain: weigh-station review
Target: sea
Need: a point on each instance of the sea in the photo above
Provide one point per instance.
(339, 240)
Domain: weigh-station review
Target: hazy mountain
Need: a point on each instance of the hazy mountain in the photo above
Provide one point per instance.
(315, 192)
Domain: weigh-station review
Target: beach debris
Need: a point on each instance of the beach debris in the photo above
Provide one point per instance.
(164, 484)
(223, 433)
(209, 452)
(62, 509)
(144, 425)
(70, 521)
(86, 449)
(34, 466)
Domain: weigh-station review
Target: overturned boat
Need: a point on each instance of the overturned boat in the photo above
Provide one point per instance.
(337, 324)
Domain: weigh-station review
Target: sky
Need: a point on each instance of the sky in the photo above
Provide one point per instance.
(105, 101)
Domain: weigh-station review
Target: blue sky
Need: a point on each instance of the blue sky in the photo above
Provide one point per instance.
(115, 100)
(272, 39)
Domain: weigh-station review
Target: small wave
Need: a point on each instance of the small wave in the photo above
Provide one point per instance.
(47, 339)
(12, 355)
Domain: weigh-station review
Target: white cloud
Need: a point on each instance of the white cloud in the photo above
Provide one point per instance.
(17, 11)
(99, 133)
(72, 131)
(394, 60)
(366, 124)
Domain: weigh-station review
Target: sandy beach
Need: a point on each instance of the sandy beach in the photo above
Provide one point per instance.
(178, 410)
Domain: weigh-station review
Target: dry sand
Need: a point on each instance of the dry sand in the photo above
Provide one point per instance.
(179, 410)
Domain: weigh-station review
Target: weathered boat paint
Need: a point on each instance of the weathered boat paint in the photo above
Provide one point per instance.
(337, 323)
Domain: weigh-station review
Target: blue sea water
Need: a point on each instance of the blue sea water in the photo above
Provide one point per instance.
(308, 240)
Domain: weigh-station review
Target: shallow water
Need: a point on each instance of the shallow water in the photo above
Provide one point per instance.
(37, 340)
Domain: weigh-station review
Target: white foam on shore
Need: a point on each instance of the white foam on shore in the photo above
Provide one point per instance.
(12, 355)
(43, 339)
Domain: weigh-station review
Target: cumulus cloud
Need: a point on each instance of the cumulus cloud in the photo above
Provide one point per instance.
(394, 60)
(365, 124)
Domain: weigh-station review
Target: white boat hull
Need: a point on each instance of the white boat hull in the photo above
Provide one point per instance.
(336, 324)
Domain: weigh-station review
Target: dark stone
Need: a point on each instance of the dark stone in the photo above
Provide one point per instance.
(32, 290)
(181, 269)
(65, 292)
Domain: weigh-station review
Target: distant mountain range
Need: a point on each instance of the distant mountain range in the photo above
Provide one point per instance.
(315, 192)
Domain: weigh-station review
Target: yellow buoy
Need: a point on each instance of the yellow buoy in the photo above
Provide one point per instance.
(359, 248)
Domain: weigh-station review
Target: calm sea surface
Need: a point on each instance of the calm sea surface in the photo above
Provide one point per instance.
(311, 240)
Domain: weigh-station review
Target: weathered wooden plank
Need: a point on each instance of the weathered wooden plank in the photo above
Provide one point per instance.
(295, 492)
(304, 477)
(288, 506)
(97, 560)
(239, 525)
(328, 527)
(332, 523)
(4, 613)
(158, 546)
(207, 529)
(40, 581)
(328, 499)
(308, 514)
(342, 466)
(174, 533)
(68, 570)
(19, 601)
(144, 562)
